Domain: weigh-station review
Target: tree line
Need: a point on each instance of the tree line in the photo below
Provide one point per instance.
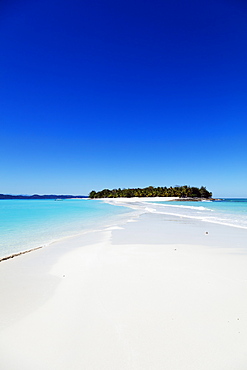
(150, 191)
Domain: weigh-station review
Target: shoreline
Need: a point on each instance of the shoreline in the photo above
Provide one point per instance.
(132, 204)
(139, 204)
(105, 200)
(156, 291)
(18, 254)
(70, 234)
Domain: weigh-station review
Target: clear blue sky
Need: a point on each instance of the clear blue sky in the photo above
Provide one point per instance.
(119, 93)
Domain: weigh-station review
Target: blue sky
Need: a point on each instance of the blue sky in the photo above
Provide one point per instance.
(108, 94)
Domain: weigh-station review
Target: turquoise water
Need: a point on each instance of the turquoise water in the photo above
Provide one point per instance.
(27, 224)
(232, 212)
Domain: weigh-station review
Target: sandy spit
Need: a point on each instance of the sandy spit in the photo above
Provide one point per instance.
(158, 293)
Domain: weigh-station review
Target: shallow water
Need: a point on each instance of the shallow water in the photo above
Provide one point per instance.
(231, 212)
(27, 224)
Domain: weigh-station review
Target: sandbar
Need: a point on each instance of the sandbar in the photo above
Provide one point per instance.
(153, 292)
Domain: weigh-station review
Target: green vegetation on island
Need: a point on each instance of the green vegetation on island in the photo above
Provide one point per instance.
(177, 191)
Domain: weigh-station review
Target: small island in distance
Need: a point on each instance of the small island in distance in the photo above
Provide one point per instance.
(183, 192)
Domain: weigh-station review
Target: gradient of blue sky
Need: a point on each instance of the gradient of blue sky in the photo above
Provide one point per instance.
(117, 93)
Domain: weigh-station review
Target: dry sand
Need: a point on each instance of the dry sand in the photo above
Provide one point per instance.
(153, 294)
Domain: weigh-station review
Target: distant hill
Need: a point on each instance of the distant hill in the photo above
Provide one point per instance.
(36, 196)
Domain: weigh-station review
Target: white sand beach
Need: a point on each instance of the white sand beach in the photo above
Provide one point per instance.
(156, 292)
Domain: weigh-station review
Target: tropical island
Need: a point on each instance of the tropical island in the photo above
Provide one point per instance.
(184, 192)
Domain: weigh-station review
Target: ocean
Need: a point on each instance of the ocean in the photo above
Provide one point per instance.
(28, 224)
(231, 212)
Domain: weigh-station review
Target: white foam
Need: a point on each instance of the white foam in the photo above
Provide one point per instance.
(201, 208)
(192, 212)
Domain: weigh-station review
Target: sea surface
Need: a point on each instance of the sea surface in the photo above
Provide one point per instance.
(28, 224)
(231, 212)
